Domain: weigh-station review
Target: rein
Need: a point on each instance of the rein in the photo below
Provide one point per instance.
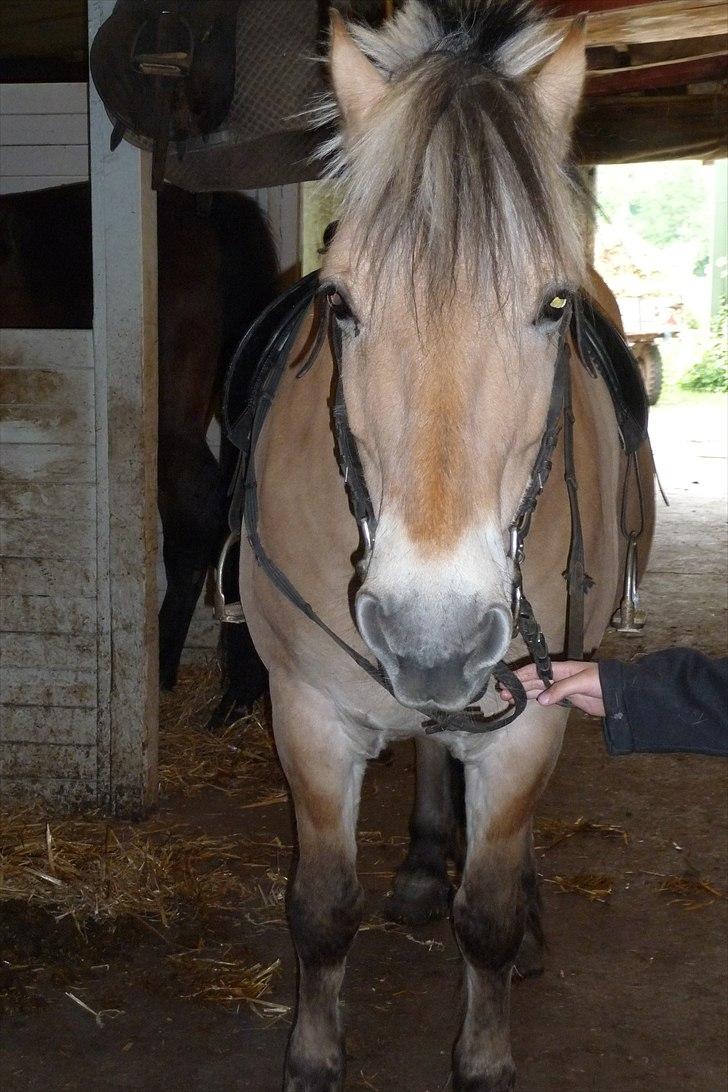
(245, 433)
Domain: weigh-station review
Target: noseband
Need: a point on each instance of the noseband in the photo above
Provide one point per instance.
(285, 317)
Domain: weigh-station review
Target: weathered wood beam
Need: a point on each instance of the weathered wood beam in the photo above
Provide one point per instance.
(634, 129)
(651, 77)
(125, 350)
(44, 28)
(650, 52)
(614, 22)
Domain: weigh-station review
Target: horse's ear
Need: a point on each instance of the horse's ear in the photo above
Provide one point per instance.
(559, 84)
(358, 85)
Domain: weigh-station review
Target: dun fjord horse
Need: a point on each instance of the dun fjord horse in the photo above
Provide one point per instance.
(447, 286)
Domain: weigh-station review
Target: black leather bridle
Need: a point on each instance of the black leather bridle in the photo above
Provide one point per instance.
(245, 433)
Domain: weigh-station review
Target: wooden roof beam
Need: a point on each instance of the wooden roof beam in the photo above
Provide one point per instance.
(614, 22)
(640, 128)
(659, 76)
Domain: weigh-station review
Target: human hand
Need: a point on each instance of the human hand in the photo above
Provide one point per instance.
(573, 679)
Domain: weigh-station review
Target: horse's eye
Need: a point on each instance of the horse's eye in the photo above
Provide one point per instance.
(340, 307)
(555, 308)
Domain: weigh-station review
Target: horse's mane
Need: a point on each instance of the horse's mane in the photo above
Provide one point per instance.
(456, 170)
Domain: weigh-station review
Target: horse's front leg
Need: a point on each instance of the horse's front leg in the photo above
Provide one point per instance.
(324, 772)
(422, 889)
(504, 776)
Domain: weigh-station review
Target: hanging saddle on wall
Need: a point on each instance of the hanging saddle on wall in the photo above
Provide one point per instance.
(214, 88)
(165, 70)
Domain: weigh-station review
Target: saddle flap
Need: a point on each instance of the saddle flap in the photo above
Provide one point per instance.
(604, 352)
(263, 346)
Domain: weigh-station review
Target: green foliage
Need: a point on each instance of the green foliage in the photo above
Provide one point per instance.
(663, 203)
(710, 373)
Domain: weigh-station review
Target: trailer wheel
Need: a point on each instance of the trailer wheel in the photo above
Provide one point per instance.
(650, 363)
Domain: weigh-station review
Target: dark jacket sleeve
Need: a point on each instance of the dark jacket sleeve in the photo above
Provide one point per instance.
(674, 700)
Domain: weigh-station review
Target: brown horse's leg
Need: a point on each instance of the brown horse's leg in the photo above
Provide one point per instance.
(422, 889)
(504, 778)
(325, 903)
(530, 958)
(191, 507)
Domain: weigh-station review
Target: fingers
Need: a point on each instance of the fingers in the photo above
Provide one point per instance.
(572, 679)
(567, 668)
(583, 681)
(573, 684)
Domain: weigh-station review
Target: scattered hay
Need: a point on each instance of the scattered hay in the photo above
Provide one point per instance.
(550, 832)
(690, 891)
(93, 870)
(270, 900)
(595, 888)
(228, 980)
(191, 759)
(376, 838)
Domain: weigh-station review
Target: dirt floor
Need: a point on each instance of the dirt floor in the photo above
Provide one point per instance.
(634, 996)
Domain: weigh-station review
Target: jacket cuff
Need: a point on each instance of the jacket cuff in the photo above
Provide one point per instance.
(617, 729)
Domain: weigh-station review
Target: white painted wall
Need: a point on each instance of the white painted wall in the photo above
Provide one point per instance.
(43, 135)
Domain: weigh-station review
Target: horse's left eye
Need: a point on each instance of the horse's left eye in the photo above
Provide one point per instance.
(555, 308)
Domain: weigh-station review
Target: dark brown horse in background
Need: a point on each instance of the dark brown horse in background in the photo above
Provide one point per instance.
(217, 271)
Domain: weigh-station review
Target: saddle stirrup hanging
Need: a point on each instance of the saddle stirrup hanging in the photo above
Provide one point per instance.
(232, 613)
(629, 618)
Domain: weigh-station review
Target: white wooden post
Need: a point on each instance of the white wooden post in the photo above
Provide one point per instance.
(125, 350)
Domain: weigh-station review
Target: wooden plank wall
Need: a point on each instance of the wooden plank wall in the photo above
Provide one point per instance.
(78, 410)
(48, 578)
(43, 135)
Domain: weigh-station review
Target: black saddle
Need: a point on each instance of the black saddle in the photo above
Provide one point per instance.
(265, 348)
(165, 70)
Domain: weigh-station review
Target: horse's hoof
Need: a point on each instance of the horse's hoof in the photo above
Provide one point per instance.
(230, 708)
(418, 897)
(502, 1081)
(529, 961)
(167, 681)
(306, 1076)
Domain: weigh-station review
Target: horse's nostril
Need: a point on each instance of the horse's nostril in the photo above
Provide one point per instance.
(495, 636)
(370, 616)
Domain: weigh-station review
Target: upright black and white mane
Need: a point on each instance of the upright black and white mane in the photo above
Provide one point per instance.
(457, 169)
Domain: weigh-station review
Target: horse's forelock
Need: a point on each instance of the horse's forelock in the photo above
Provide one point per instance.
(454, 177)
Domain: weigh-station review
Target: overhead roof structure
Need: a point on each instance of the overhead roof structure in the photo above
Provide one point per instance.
(657, 81)
(657, 86)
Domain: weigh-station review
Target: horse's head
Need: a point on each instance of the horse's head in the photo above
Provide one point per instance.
(447, 278)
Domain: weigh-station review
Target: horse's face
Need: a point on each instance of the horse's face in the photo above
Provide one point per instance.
(448, 412)
(448, 406)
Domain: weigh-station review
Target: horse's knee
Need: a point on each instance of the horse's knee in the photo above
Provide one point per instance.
(325, 914)
(489, 929)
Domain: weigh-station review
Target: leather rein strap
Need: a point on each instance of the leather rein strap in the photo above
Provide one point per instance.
(245, 433)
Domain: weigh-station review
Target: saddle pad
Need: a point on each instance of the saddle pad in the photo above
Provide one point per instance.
(602, 349)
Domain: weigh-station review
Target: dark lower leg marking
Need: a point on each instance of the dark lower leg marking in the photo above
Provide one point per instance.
(530, 958)
(489, 919)
(422, 889)
(325, 911)
(324, 917)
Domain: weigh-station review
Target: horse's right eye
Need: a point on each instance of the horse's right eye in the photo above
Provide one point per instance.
(341, 309)
(338, 305)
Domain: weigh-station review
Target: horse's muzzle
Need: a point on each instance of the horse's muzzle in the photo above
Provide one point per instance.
(427, 671)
